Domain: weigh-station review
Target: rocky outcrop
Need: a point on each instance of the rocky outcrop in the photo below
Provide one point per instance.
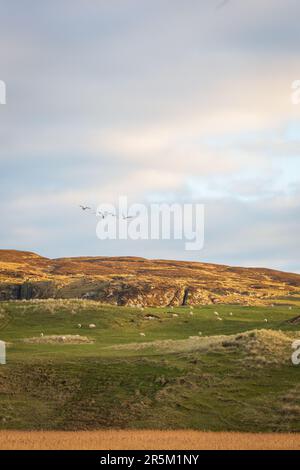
(139, 282)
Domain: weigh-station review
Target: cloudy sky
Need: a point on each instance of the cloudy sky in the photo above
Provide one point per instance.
(161, 100)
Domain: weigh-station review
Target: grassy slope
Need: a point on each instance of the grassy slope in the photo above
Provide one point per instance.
(93, 386)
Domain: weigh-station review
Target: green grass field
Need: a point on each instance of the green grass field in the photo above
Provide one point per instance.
(119, 382)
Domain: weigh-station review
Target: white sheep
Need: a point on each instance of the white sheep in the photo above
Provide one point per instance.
(92, 326)
(79, 325)
(200, 333)
(142, 334)
(191, 313)
(42, 335)
(266, 320)
(174, 315)
(231, 314)
(216, 313)
(220, 319)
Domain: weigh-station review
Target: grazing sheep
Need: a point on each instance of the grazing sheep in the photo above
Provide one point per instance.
(42, 334)
(191, 313)
(79, 325)
(216, 313)
(142, 334)
(191, 307)
(266, 320)
(92, 325)
(200, 333)
(220, 319)
(174, 315)
(231, 314)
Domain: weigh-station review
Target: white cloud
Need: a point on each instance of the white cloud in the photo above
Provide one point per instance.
(111, 98)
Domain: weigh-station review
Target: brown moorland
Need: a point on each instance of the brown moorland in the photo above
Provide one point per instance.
(133, 281)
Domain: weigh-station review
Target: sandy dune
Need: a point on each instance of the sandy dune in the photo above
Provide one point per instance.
(145, 440)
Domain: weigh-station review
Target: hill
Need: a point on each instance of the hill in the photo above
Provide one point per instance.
(131, 281)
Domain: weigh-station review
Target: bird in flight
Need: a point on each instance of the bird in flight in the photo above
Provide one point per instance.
(105, 214)
(127, 217)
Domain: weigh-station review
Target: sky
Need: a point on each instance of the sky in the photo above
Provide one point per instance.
(160, 100)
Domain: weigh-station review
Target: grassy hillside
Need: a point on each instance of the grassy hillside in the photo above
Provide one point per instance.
(148, 368)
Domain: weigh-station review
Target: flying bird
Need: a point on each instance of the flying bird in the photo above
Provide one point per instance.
(101, 214)
(105, 214)
(85, 208)
(127, 217)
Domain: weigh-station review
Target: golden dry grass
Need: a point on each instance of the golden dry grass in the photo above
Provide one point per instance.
(146, 440)
(125, 280)
(58, 339)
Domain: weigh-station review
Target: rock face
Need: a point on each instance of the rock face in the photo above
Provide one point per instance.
(138, 281)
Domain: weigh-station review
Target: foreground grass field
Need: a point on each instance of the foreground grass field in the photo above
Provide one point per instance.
(146, 440)
(224, 368)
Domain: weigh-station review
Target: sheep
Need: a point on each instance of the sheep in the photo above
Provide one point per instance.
(174, 315)
(220, 319)
(92, 326)
(191, 307)
(200, 333)
(231, 314)
(216, 313)
(142, 334)
(266, 320)
(191, 313)
(79, 325)
(42, 335)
